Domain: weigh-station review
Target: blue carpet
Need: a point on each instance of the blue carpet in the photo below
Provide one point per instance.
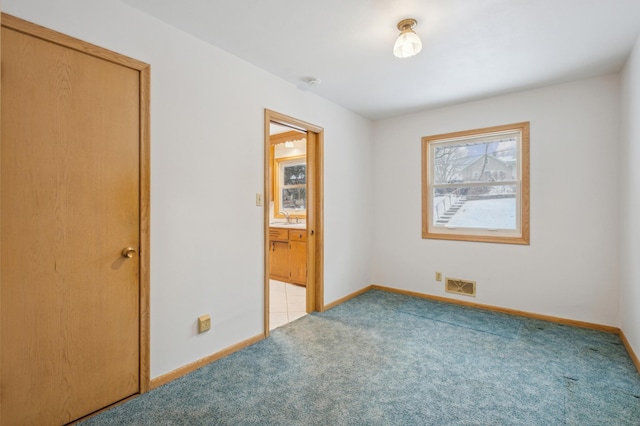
(488, 322)
(389, 359)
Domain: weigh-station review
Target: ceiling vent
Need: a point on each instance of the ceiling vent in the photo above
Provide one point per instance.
(458, 286)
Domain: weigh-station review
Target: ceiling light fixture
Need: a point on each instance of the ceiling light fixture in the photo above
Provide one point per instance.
(408, 43)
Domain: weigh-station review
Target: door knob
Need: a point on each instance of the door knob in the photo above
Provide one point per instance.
(128, 252)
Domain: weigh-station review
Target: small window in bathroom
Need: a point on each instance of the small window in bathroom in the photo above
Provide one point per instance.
(288, 174)
(294, 185)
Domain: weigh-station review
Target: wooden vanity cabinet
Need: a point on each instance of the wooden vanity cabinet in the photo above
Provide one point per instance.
(298, 256)
(279, 256)
(279, 261)
(288, 257)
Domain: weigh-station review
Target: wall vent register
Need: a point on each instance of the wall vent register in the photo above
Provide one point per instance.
(458, 286)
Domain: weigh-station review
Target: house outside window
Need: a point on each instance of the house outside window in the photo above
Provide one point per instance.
(476, 185)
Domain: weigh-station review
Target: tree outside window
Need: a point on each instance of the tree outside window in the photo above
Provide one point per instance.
(476, 185)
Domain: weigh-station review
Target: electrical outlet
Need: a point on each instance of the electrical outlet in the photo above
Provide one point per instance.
(438, 276)
(259, 200)
(204, 323)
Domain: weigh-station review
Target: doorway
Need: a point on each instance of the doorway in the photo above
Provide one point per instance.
(74, 255)
(292, 218)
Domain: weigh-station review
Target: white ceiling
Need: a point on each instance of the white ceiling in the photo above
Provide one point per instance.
(471, 48)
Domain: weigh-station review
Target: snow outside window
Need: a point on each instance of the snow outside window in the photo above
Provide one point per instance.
(475, 185)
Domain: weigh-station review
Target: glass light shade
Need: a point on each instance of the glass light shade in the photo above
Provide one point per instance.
(408, 44)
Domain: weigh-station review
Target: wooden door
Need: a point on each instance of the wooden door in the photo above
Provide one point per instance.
(71, 202)
(315, 252)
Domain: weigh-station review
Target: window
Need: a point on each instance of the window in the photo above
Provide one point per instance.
(475, 185)
(291, 186)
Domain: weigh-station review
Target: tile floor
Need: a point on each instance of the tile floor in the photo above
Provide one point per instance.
(287, 302)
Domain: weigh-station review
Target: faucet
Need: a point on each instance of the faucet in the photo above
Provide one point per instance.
(285, 215)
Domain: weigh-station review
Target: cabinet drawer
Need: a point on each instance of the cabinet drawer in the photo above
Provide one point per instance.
(297, 235)
(277, 234)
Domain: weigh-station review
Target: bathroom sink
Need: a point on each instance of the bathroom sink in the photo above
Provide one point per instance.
(287, 225)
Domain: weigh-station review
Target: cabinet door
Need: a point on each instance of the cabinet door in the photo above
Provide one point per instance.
(279, 260)
(298, 262)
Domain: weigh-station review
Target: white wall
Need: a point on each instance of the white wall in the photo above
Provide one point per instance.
(570, 268)
(207, 164)
(207, 109)
(630, 201)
